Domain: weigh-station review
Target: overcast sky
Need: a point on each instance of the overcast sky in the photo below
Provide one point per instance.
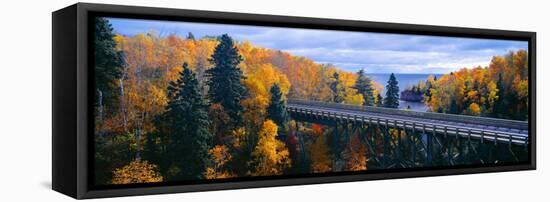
(350, 51)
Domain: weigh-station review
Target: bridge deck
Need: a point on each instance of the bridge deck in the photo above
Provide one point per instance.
(471, 127)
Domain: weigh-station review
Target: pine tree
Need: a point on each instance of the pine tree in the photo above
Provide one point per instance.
(276, 110)
(225, 78)
(500, 104)
(364, 87)
(428, 92)
(152, 151)
(453, 109)
(108, 62)
(187, 124)
(380, 102)
(392, 93)
(337, 88)
(108, 68)
(190, 36)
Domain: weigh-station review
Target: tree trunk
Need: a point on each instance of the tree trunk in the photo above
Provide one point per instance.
(100, 104)
(122, 107)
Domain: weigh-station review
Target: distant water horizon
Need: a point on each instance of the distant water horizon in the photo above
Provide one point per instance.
(404, 81)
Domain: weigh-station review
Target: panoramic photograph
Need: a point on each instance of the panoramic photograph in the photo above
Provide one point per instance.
(197, 102)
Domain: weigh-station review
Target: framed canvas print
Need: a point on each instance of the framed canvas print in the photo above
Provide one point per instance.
(154, 100)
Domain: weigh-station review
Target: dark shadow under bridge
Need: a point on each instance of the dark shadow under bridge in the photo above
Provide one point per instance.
(402, 138)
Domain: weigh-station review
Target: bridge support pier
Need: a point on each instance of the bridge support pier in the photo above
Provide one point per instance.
(335, 149)
(423, 143)
(429, 150)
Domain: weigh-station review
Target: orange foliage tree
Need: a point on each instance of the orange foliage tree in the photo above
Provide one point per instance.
(499, 90)
(219, 157)
(152, 61)
(136, 172)
(357, 151)
(320, 155)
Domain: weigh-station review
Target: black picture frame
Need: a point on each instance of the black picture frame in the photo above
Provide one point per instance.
(72, 83)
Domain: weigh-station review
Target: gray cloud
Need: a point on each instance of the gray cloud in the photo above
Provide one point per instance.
(351, 51)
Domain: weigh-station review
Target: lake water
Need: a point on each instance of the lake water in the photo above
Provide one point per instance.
(404, 81)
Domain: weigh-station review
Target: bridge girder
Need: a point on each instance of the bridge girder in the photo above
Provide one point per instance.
(421, 145)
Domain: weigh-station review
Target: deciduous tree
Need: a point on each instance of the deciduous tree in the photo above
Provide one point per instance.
(137, 172)
(270, 156)
(320, 155)
(219, 157)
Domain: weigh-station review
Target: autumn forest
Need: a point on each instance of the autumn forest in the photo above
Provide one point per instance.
(172, 107)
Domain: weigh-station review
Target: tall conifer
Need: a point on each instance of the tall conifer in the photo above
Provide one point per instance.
(225, 78)
(337, 88)
(364, 87)
(392, 93)
(187, 126)
(108, 62)
(276, 110)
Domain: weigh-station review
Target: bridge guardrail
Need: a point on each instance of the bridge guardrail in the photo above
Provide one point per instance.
(481, 134)
(502, 123)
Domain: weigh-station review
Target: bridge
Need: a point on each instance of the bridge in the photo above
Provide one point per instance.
(404, 138)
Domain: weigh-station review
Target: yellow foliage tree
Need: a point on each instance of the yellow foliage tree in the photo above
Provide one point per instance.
(320, 156)
(238, 137)
(270, 157)
(137, 172)
(357, 155)
(353, 98)
(498, 90)
(219, 156)
(260, 78)
(473, 110)
(492, 94)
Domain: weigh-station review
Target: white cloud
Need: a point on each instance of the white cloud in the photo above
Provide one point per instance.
(375, 52)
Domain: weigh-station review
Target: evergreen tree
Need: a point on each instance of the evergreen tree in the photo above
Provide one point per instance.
(364, 87)
(392, 93)
(380, 102)
(108, 62)
(338, 90)
(225, 78)
(500, 107)
(276, 110)
(190, 36)
(453, 109)
(428, 93)
(151, 152)
(186, 128)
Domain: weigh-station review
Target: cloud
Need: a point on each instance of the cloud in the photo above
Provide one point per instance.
(351, 51)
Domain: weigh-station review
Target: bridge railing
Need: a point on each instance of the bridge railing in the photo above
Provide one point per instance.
(483, 134)
(500, 123)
